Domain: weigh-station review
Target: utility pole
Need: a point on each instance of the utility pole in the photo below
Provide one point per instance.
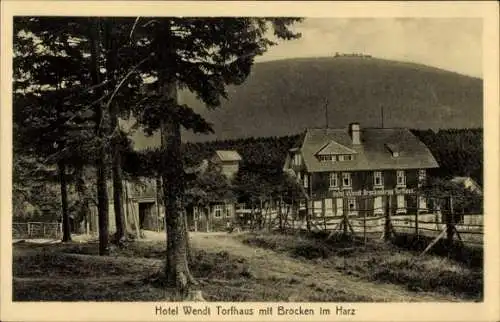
(382, 115)
(326, 113)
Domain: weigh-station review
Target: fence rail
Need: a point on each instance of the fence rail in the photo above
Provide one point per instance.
(33, 230)
(386, 221)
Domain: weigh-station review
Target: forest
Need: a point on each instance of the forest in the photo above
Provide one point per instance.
(459, 152)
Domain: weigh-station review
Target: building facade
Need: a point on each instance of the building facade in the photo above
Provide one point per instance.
(218, 212)
(227, 161)
(339, 168)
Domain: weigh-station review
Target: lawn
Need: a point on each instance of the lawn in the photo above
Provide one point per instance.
(243, 267)
(460, 275)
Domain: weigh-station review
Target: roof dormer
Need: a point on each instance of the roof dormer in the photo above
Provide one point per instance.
(394, 149)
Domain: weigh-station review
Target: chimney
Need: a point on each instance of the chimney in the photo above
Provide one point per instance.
(355, 132)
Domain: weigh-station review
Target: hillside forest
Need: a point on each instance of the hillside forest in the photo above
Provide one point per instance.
(459, 152)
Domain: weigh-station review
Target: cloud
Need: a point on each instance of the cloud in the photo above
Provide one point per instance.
(453, 44)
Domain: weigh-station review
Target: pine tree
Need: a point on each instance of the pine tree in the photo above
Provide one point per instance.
(204, 56)
(48, 126)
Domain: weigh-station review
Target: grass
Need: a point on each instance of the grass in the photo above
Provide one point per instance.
(73, 272)
(381, 262)
(246, 267)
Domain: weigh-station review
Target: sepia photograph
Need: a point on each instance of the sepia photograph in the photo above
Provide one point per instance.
(237, 159)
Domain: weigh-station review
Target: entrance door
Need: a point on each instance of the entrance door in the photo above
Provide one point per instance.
(147, 219)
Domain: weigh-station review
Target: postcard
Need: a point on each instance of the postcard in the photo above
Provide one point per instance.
(242, 161)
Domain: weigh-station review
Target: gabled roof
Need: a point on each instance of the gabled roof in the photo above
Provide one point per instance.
(335, 148)
(371, 154)
(467, 182)
(228, 155)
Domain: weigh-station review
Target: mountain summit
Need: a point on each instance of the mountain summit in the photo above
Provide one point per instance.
(286, 96)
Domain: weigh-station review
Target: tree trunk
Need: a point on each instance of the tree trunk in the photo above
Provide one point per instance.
(177, 270)
(117, 179)
(64, 202)
(172, 170)
(111, 61)
(102, 191)
(83, 196)
(158, 200)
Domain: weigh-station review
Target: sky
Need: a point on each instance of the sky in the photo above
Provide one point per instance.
(454, 44)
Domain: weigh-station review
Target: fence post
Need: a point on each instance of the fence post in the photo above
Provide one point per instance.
(345, 220)
(324, 212)
(29, 230)
(387, 227)
(364, 218)
(450, 223)
(416, 215)
(308, 216)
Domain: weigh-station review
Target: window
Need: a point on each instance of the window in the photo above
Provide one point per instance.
(334, 180)
(306, 181)
(400, 175)
(329, 206)
(378, 179)
(347, 157)
(296, 159)
(317, 208)
(325, 158)
(421, 175)
(352, 204)
(346, 179)
(218, 211)
(227, 210)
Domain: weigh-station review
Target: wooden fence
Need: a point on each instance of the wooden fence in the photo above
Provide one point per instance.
(383, 223)
(34, 230)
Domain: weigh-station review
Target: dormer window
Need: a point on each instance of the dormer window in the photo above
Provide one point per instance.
(393, 149)
(334, 151)
(334, 158)
(325, 158)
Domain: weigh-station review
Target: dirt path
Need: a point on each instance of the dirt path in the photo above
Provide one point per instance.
(267, 263)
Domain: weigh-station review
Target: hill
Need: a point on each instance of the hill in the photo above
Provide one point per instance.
(286, 96)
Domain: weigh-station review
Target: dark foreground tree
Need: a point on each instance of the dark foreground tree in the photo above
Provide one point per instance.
(48, 127)
(203, 56)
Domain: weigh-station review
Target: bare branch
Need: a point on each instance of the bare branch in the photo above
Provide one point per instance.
(133, 28)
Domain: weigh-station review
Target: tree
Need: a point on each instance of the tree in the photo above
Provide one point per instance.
(204, 56)
(47, 126)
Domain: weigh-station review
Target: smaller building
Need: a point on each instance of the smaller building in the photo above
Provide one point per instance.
(468, 183)
(221, 210)
(228, 161)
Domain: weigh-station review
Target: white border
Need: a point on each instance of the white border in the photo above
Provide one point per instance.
(488, 310)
